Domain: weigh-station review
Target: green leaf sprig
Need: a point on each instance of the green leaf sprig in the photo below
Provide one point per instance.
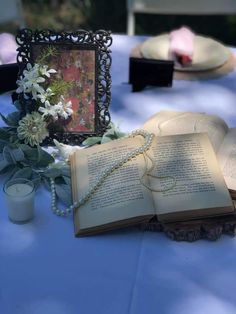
(113, 133)
(19, 160)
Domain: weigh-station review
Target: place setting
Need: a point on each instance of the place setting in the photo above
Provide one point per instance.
(195, 57)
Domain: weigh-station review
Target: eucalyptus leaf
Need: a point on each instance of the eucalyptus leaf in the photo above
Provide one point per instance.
(36, 156)
(11, 129)
(112, 136)
(36, 178)
(109, 132)
(7, 168)
(105, 139)
(114, 133)
(37, 182)
(4, 119)
(46, 183)
(112, 128)
(2, 144)
(63, 192)
(30, 152)
(92, 141)
(67, 180)
(3, 165)
(13, 171)
(65, 171)
(40, 153)
(18, 154)
(4, 134)
(59, 180)
(17, 104)
(25, 173)
(119, 134)
(52, 173)
(13, 138)
(13, 118)
(8, 156)
(44, 158)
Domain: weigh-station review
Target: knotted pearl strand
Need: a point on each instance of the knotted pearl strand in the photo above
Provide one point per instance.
(117, 164)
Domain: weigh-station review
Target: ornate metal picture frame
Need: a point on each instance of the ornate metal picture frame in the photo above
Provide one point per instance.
(82, 59)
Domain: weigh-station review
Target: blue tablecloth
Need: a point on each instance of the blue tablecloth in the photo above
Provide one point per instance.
(44, 269)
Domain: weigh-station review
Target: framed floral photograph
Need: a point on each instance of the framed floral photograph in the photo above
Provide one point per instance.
(65, 78)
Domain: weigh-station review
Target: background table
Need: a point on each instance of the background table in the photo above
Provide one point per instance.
(45, 269)
(130, 110)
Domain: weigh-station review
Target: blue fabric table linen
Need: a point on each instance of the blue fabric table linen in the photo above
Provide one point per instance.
(45, 269)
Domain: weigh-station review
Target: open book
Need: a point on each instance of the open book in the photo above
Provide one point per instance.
(186, 183)
(221, 136)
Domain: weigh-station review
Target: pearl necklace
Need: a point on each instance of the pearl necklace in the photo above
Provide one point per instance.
(147, 144)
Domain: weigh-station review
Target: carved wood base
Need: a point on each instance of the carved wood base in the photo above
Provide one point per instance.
(190, 231)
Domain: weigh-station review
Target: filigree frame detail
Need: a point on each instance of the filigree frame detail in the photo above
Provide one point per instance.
(101, 40)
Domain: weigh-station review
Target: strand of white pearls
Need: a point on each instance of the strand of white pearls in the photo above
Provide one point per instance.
(147, 144)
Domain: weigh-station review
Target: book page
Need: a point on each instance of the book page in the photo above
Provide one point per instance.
(174, 122)
(227, 158)
(121, 196)
(190, 162)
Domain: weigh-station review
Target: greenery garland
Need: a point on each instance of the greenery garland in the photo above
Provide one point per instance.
(20, 160)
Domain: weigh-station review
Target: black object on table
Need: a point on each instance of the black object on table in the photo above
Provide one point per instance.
(144, 72)
(8, 77)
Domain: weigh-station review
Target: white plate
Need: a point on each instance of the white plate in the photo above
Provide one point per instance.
(208, 53)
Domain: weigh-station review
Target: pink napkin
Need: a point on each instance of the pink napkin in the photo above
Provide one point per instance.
(8, 48)
(182, 46)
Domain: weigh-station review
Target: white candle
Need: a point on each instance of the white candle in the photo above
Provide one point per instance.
(20, 200)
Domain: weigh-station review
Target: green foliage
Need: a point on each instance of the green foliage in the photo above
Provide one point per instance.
(19, 160)
(8, 134)
(23, 173)
(63, 191)
(5, 134)
(18, 105)
(46, 53)
(12, 119)
(34, 163)
(60, 87)
(61, 175)
(90, 141)
(52, 173)
(23, 156)
(113, 133)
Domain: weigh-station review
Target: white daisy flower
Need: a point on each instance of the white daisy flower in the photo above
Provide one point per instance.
(21, 87)
(49, 110)
(44, 71)
(31, 71)
(29, 82)
(46, 95)
(63, 108)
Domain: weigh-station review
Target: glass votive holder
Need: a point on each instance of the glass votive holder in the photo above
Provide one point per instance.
(19, 197)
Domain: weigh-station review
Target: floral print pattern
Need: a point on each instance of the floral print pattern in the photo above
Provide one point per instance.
(79, 67)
